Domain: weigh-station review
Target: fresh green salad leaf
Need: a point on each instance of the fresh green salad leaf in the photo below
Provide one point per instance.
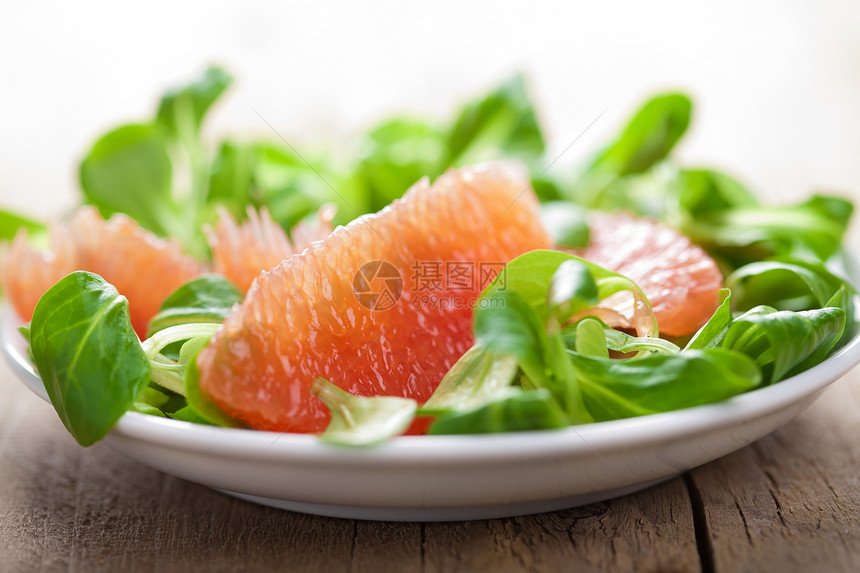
(478, 377)
(615, 340)
(812, 229)
(205, 299)
(517, 410)
(590, 339)
(614, 389)
(393, 156)
(360, 421)
(200, 405)
(503, 123)
(11, 223)
(713, 331)
(553, 282)
(648, 138)
(705, 191)
(786, 284)
(87, 354)
(183, 108)
(783, 342)
(566, 223)
(129, 171)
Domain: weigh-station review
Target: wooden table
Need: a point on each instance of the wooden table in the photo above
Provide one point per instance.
(790, 502)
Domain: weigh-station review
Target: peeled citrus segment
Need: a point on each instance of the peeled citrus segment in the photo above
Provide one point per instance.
(681, 281)
(420, 263)
(26, 273)
(141, 266)
(242, 251)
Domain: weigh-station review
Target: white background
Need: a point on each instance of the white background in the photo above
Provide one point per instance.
(777, 84)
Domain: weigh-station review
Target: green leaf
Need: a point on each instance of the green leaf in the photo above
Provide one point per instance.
(205, 299)
(184, 107)
(152, 397)
(263, 174)
(129, 171)
(359, 421)
(712, 332)
(813, 229)
(614, 389)
(478, 377)
(702, 192)
(394, 155)
(148, 409)
(11, 223)
(784, 343)
(87, 354)
(785, 284)
(649, 136)
(619, 341)
(198, 401)
(518, 411)
(566, 223)
(511, 326)
(188, 414)
(590, 338)
(571, 290)
(530, 274)
(500, 124)
(231, 178)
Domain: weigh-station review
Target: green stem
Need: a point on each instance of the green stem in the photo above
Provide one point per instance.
(153, 345)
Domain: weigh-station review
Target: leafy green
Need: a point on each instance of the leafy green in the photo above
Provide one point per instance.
(511, 327)
(189, 414)
(784, 343)
(787, 284)
(616, 340)
(394, 155)
(183, 108)
(208, 298)
(129, 171)
(590, 339)
(200, 405)
(711, 334)
(813, 229)
(170, 373)
(571, 290)
(87, 354)
(566, 223)
(11, 223)
(360, 421)
(517, 410)
(531, 274)
(478, 377)
(502, 123)
(648, 138)
(263, 174)
(614, 389)
(705, 191)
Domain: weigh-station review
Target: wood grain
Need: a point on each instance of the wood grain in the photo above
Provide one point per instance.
(786, 503)
(791, 501)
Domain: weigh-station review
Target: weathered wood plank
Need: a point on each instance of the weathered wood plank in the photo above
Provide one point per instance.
(790, 502)
(648, 531)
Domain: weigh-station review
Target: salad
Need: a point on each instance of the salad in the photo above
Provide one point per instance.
(554, 337)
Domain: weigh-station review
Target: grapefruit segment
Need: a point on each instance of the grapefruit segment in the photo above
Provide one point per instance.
(681, 281)
(242, 251)
(144, 268)
(311, 315)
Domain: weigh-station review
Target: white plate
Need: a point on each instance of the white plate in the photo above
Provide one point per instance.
(446, 478)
